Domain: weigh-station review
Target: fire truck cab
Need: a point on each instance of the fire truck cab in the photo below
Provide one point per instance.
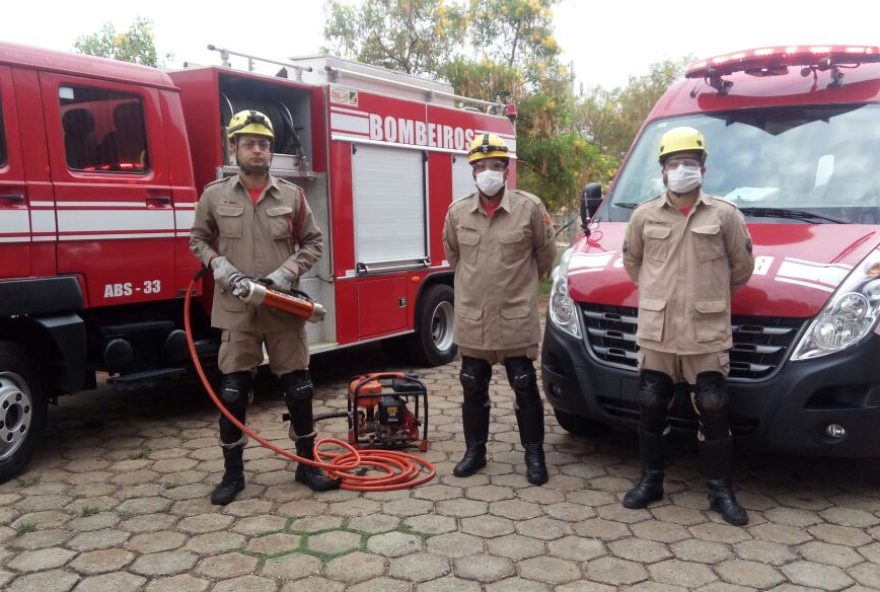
(793, 135)
(102, 163)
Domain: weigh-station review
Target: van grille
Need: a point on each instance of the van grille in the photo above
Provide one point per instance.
(760, 344)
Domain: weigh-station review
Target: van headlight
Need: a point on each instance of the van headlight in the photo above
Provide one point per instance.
(563, 311)
(848, 317)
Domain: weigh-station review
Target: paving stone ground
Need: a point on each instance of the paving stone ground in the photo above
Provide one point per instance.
(116, 500)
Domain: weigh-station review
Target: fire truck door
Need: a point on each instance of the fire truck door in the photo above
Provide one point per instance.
(15, 224)
(113, 197)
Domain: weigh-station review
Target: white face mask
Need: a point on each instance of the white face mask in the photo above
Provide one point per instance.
(684, 178)
(490, 182)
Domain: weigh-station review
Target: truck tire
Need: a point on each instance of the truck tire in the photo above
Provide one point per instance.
(432, 343)
(23, 404)
(580, 426)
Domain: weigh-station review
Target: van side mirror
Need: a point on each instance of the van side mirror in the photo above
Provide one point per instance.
(591, 198)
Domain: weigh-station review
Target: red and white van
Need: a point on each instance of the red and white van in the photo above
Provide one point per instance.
(793, 135)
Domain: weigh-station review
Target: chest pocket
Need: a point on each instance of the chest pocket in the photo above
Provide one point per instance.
(708, 242)
(280, 222)
(657, 241)
(229, 221)
(469, 244)
(514, 245)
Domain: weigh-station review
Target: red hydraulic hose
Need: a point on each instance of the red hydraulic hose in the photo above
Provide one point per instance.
(398, 470)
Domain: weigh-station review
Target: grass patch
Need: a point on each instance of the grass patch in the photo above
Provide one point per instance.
(28, 480)
(24, 528)
(89, 511)
(138, 454)
(171, 485)
(124, 515)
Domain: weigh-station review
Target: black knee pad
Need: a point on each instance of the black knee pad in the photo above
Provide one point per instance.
(235, 395)
(475, 376)
(655, 393)
(297, 387)
(236, 391)
(711, 401)
(522, 378)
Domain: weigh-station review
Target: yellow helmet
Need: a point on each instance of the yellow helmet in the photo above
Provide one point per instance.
(487, 146)
(683, 139)
(250, 122)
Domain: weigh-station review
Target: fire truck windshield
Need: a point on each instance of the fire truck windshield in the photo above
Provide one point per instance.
(818, 160)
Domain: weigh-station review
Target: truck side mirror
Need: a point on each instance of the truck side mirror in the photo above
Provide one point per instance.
(591, 198)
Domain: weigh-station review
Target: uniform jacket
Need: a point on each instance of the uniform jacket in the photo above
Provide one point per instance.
(497, 263)
(279, 230)
(687, 268)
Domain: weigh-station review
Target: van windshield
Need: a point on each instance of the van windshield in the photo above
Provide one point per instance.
(819, 162)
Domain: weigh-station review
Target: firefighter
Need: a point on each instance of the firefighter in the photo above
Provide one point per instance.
(256, 225)
(688, 252)
(499, 242)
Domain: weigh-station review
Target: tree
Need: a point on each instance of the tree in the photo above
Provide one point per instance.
(611, 119)
(413, 36)
(135, 45)
(515, 32)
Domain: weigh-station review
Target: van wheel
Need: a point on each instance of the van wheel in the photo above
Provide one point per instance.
(23, 404)
(581, 426)
(432, 343)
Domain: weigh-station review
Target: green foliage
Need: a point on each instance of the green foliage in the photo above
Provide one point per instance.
(24, 528)
(505, 50)
(414, 36)
(135, 45)
(89, 511)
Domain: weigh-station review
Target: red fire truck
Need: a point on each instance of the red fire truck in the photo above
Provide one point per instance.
(102, 162)
(793, 135)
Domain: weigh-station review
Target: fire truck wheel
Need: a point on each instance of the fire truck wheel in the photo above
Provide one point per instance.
(580, 426)
(432, 342)
(23, 405)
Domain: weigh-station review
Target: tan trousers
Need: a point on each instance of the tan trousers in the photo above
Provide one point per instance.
(683, 367)
(498, 356)
(241, 351)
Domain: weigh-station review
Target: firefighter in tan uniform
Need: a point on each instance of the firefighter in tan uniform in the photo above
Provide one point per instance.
(255, 225)
(499, 242)
(688, 252)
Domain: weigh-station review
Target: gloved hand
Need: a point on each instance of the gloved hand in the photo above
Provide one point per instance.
(281, 280)
(223, 272)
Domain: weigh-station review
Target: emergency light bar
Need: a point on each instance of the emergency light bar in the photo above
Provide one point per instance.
(765, 60)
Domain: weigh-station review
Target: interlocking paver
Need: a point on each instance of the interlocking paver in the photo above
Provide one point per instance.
(228, 565)
(825, 577)
(334, 542)
(54, 580)
(484, 568)
(449, 584)
(644, 551)
(455, 545)
(516, 546)
(765, 552)
(701, 551)
(98, 539)
(313, 584)
(487, 526)
(606, 530)
(687, 574)
(247, 584)
(841, 535)
(614, 571)
(181, 583)
(419, 567)
(543, 528)
(867, 574)
(750, 573)
(839, 555)
(355, 567)
(291, 566)
(550, 570)
(98, 562)
(214, 542)
(394, 544)
(41, 559)
(165, 563)
(41, 539)
(431, 524)
(382, 584)
(163, 540)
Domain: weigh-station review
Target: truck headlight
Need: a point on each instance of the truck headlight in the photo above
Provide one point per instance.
(848, 317)
(563, 311)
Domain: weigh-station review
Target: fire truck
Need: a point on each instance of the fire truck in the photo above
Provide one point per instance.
(102, 163)
(793, 135)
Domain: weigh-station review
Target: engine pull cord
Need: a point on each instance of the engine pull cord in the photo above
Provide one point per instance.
(398, 470)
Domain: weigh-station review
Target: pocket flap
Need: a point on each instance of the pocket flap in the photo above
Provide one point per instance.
(652, 304)
(469, 312)
(657, 231)
(710, 306)
(469, 238)
(520, 311)
(710, 229)
(229, 211)
(279, 211)
(511, 237)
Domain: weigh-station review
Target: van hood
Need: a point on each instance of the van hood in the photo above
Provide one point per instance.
(797, 267)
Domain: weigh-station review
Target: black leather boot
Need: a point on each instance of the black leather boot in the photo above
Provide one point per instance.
(313, 477)
(476, 433)
(233, 477)
(650, 486)
(531, 435)
(717, 456)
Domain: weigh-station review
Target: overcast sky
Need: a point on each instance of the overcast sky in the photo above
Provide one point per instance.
(606, 40)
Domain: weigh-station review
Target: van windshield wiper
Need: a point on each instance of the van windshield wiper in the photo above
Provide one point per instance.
(792, 214)
(630, 205)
